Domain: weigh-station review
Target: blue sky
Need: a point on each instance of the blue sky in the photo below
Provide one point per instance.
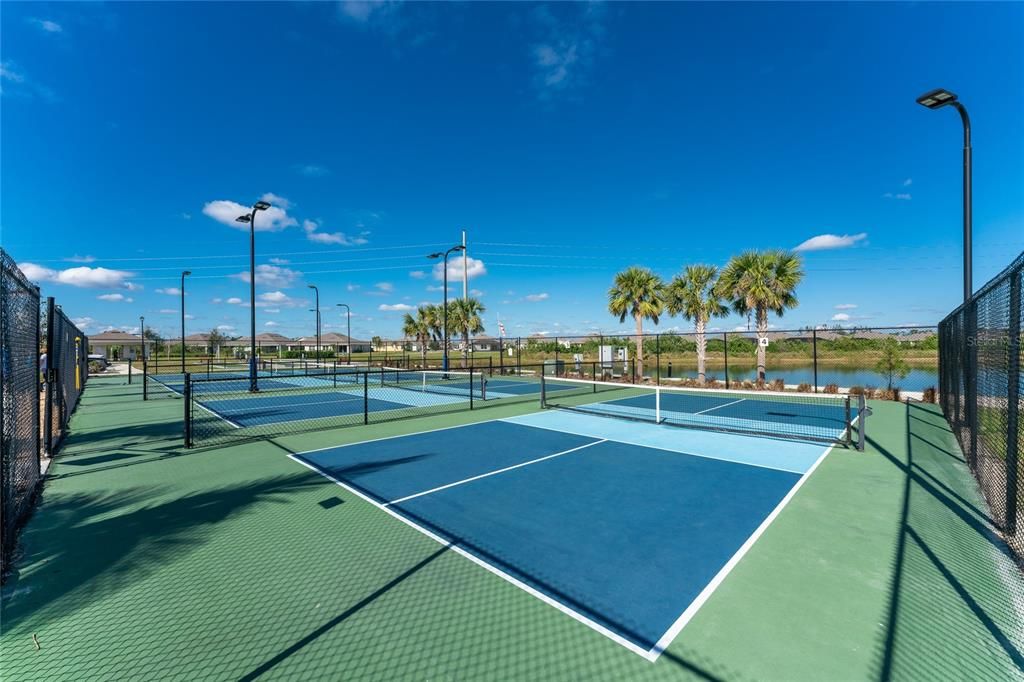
(569, 140)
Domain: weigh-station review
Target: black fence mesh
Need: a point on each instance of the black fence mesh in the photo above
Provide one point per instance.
(19, 399)
(981, 392)
(67, 371)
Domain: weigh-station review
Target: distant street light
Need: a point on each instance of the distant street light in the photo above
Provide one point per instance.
(317, 311)
(142, 335)
(936, 99)
(182, 291)
(250, 218)
(454, 249)
(348, 331)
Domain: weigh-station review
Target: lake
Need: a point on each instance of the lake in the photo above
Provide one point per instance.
(918, 379)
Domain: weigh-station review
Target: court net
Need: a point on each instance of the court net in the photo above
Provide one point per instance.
(459, 383)
(824, 418)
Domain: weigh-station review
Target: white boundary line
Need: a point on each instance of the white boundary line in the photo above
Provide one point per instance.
(550, 601)
(718, 407)
(691, 610)
(492, 473)
(401, 435)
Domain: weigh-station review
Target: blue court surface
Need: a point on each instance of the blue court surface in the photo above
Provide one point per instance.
(625, 527)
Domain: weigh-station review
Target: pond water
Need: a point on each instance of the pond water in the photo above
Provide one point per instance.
(918, 379)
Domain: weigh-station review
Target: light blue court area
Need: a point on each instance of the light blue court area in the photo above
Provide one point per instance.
(625, 527)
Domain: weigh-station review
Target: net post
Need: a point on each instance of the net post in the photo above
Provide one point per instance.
(848, 434)
(188, 409)
(632, 371)
(657, 405)
(471, 386)
(130, 363)
(543, 391)
(483, 387)
(657, 355)
(366, 396)
(145, 379)
(862, 421)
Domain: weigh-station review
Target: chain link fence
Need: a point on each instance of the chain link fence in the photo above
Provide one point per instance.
(981, 393)
(19, 400)
(66, 371)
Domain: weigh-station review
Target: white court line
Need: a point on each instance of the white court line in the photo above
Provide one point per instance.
(251, 410)
(716, 407)
(451, 543)
(496, 471)
(691, 610)
(401, 435)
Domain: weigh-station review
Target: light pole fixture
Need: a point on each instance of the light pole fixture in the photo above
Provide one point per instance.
(936, 99)
(182, 291)
(317, 311)
(348, 332)
(250, 218)
(444, 350)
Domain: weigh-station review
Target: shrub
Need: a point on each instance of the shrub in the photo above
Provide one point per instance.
(804, 387)
(857, 390)
(96, 367)
(778, 385)
(831, 388)
(929, 395)
(748, 384)
(711, 382)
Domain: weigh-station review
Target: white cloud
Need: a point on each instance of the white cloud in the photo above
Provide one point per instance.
(8, 73)
(831, 241)
(902, 196)
(270, 276)
(279, 261)
(84, 323)
(352, 287)
(114, 298)
(846, 306)
(225, 328)
(216, 300)
(311, 170)
(190, 317)
(83, 276)
(840, 317)
(364, 11)
(168, 311)
(271, 310)
(170, 291)
(397, 307)
(270, 323)
(384, 286)
(279, 299)
(46, 26)
(908, 182)
(274, 219)
(417, 274)
(234, 300)
(132, 286)
(537, 297)
(476, 293)
(80, 259)
(474, 268)
(274, 199)
(313, 234)
(566, 52)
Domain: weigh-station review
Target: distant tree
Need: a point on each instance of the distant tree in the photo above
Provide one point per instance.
(216, 340)
(638, 293)
(761, 282)
(154, 336)
(693, 295)
(464, 316)
(892, 365)
(418, 328)
(377, 342)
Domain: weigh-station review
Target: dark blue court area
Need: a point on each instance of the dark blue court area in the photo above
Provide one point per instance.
(286, 407)
(620, 536)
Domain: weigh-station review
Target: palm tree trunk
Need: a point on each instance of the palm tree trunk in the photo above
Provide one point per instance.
(640, 347)
(702, 349)
(424, 343)
(762, 332)
(465, 348)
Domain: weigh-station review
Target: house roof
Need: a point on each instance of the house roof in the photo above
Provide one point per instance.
(115, 336)
(329, 337)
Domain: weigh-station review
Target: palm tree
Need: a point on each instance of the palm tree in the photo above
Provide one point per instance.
(464, 315)
(760, 282)
(418, 328)
(638, 293)
(692, 294)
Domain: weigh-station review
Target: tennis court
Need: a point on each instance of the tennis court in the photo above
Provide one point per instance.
(622, 526)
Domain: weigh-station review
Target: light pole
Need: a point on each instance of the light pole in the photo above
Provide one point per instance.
(250, 218)
(444, 351)
(182, 291)
(142, 335)
(317, 292)
(936, 99)
(348, 332)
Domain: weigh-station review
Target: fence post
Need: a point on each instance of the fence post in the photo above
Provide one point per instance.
(366, 397)
(188, 409)
(657, 358)
(1013, 395)
(814, 346)
(725, 337)
(48, 379)
(972, 380)
(471, 387)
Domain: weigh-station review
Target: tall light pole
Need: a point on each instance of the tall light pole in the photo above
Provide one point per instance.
(348, 331)
(936, 99)
(182, 291)
(317, 292)
(250, 218)
(142, 335)
(444, 351)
